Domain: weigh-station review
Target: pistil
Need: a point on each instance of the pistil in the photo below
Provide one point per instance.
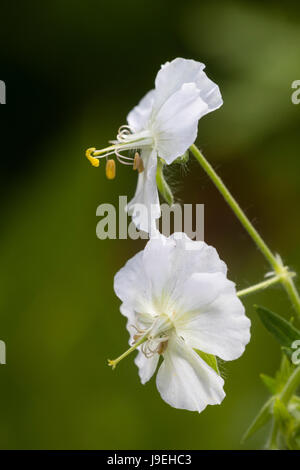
(114, 362)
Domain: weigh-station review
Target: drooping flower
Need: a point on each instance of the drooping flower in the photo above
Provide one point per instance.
(180, 306)
(164, 124)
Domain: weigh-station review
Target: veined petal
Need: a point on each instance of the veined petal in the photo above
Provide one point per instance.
(146, 366)
(176, 123)
(173, 75)
(133, 287)
(185, 381)
(196, 293)
(222, 329)
(195, 256)
(157, 260)
(144, 207)
(209, 92)
(138, 116)
(169, 263)
(129, 313)
(130, 280)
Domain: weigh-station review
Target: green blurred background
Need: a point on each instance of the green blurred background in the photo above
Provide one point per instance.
(73, 70)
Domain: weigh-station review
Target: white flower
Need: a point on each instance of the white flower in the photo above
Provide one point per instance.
(163, 124)
(178, 301)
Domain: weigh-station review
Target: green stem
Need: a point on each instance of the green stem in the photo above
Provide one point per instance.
(292, 292)
(261, 285)
(162, 185)
(291, 386)
(276, 264)
(273, 438)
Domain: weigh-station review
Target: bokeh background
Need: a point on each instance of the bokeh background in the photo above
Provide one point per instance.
(73, 70)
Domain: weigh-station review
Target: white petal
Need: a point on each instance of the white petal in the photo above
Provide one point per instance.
(138, 117)
(196, 293)
(209, 92)
(144, 207)
(185, 381)
(221, 329)
(133, 287)
(147, 366)
(195, 256)
(176, 122)
(168, 263)
(128, 282)
(174, 74)
(129, 313)
(157, 259)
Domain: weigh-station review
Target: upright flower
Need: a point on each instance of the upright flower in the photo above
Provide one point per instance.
(164, 124)
(180, 306)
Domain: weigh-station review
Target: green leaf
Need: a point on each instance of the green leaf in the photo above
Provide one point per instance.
(270, 383)
(209, 359)
(261, 419)
(162, 185)
(283, 331)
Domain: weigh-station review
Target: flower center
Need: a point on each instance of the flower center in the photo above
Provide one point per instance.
(157, 336)
(127, 140)
(153, 340)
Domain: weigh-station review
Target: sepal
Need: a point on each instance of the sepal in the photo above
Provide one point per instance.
(183, 158)
(210, 360)
(162, 185)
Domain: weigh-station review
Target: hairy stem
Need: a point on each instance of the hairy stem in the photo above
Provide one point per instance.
(261, 285)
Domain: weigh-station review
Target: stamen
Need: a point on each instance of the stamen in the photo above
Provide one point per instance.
(162, 347)
(114, 362)
(154, 346)
(123, 132)
(121, 158)
(138, 163)
(127, 139)
(94, 161)
(110, 169)
(147, 351)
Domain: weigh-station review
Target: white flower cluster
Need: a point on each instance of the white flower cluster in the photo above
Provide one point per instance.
(179, 303)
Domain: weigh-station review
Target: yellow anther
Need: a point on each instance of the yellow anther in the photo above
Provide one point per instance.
(138, 163)
(94, 161)
(110, 169)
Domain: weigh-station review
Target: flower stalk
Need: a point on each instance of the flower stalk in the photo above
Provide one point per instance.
(275, 261)
(264, 284)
